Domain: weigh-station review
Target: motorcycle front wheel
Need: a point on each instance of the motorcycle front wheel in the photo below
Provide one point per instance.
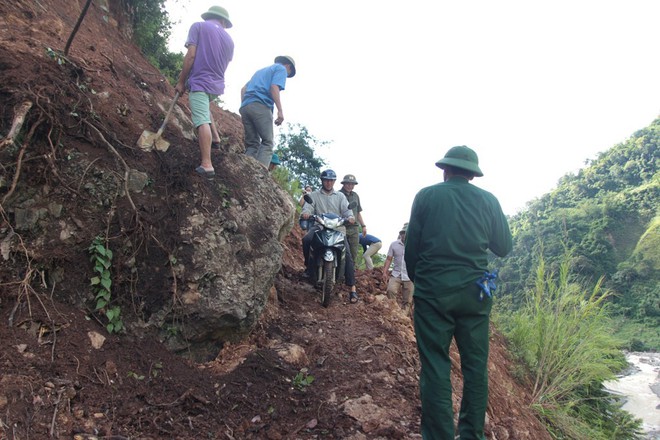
(328, 282)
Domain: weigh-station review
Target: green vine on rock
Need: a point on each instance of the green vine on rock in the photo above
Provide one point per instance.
(101, 284)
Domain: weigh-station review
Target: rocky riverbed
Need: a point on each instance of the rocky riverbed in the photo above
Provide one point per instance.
(640, 386)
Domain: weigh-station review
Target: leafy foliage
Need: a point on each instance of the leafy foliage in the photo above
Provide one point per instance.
(608, 215)
(302, 380)
(101, 284)
(283, 178)
(562, 335)
(151, 30)
(296, 149)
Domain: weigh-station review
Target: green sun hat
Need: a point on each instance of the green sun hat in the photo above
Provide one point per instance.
(461, 157)
(217, 12)
(349, 178)
(285, 59)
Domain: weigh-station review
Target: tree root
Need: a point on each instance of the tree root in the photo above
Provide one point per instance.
(121, 159)
(178, 401)
(17, 124)
(50, 158)
(19, 161)
(54, 418)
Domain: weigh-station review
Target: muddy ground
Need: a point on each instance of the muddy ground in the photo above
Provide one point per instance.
(346, 372)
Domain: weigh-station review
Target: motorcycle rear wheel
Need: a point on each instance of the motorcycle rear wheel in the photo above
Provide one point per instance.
(328, 282)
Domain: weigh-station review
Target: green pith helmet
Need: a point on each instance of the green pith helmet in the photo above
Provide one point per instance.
(217, 12)
(285, 59)
(461, 157)
(349, 178)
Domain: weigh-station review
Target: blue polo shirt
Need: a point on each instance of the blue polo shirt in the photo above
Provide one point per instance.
(368, 240)
(258, 88)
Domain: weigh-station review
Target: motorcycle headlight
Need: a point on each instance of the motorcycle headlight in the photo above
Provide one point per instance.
(332, 223)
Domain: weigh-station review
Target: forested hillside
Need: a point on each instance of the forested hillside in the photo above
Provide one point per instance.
(607, 218)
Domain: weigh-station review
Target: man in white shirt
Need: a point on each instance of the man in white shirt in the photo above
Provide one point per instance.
(399, 278)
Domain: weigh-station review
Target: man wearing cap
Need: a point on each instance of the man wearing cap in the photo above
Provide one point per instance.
(452, 226)
(352, 231)
(210, 49)
(399, 279)
(259, 97)
(274, 162)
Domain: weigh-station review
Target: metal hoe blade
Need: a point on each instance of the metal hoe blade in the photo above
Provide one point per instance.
(149, 140)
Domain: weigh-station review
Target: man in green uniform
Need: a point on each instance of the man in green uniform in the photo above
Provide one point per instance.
(452, 226)
(352, 232)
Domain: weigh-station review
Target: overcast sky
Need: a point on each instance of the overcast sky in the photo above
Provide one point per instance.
(536, 88)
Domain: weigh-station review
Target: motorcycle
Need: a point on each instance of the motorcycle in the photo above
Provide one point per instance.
(327, 251)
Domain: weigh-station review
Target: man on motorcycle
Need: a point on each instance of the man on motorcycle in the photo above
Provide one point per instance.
(327, 200)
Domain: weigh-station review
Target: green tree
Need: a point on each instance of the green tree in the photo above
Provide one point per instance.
(297, 151)
(283, 179)
(605, 214)
(151, 30)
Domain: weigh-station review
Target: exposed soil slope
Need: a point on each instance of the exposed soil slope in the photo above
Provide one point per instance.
(362, 359)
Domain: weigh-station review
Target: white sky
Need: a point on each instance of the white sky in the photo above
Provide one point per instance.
(534, 87)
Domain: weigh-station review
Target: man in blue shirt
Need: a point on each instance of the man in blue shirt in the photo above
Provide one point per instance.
(259, 97)
(370, 245)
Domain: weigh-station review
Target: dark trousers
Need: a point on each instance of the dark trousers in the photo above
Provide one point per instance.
(347, 266)
(462, 316)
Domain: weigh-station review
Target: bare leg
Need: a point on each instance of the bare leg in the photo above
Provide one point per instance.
(214, 131)
(204, 135)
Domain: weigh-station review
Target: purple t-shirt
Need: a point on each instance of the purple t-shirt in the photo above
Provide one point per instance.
(215, 49)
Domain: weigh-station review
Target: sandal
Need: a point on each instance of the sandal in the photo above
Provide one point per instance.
(215, 145)
(209, 174)
(353, 297)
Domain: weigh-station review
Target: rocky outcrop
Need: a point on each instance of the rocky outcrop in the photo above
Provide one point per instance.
(193, 259)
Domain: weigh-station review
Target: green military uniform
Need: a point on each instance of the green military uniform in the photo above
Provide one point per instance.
(353, 230)
(452, 225)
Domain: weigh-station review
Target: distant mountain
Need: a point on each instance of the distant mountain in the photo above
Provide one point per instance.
(608, 217)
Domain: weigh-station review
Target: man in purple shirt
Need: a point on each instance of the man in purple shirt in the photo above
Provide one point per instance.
(210, 49)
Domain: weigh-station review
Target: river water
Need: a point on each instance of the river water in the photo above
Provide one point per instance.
(640, 386)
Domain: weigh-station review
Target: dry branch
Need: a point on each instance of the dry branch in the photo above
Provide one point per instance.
(17, 124)
(20, 159)
(76, 27)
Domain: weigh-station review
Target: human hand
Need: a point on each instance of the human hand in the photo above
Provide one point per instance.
(280, 119)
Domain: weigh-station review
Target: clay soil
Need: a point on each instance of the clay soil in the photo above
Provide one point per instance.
(306, 372)
(349, 371)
